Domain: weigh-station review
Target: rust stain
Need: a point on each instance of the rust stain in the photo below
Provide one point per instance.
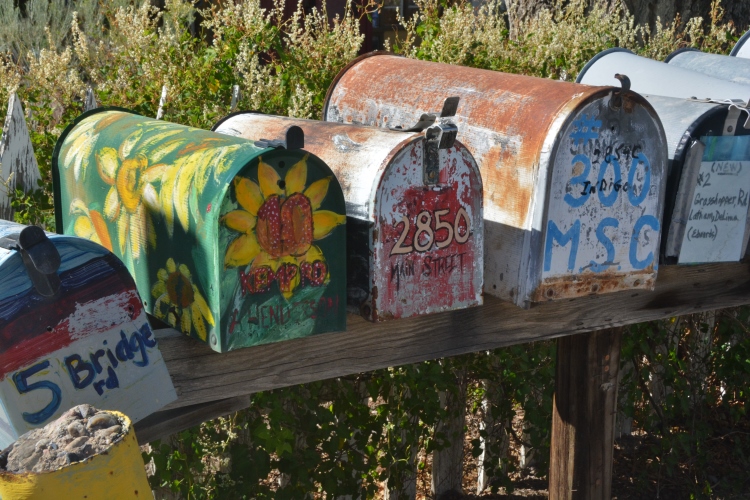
(502, 186)
(588, 284)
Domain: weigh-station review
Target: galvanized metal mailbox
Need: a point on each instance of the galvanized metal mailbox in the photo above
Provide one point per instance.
(657, 78)
(706, 213)
(573, 176)
(234, 242)
(414, 207)
(73, 331)
(742, 47)
(731, 69)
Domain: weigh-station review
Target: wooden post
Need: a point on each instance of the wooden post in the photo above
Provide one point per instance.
(583, 415)
(18, 166)
(495, 427)
(162, 103)
(89, 101)
(447, 464)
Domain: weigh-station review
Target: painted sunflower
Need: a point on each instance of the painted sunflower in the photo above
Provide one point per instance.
(178, 300)
(278, 221)
(131, 192)
(90, 224)
(77, 148)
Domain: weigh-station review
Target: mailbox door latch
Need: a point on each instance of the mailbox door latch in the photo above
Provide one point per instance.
(40, 257)
(437, 136)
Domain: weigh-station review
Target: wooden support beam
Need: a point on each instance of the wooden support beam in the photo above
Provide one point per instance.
(583, 415)
(201, 375)
(448, 463)
(165, 423)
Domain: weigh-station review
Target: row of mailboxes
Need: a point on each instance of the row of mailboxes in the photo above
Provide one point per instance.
(266, 228)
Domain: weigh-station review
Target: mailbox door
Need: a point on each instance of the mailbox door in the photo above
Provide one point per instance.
(602, 226)
(428, 239)
(91, 343)
(717, 192)
(283, 240)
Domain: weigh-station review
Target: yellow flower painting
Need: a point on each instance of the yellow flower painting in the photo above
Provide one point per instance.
(90, 224)
(278, 221)
(178, 300)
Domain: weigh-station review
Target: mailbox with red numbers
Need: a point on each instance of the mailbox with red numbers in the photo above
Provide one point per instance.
(414, 210)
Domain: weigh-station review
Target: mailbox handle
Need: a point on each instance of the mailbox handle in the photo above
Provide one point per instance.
(436, 137)
(40, 257)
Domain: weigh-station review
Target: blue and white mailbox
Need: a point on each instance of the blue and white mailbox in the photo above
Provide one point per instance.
(73, 330)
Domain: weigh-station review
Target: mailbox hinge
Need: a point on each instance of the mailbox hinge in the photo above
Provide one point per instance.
(437, 136)
(40, 257)
(294, 139)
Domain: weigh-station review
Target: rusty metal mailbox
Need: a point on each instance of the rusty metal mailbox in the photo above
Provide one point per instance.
(414, 207)
(73, 331)
(234, 242)
(573, 175)
(706, 213)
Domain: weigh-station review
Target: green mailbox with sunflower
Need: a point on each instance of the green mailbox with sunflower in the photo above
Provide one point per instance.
(233, 242)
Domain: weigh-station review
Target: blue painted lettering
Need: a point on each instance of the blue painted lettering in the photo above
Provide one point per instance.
(571, 236)
(606, 242)
(74, 371)
(644, 220)
(20, 379)
(123, 350)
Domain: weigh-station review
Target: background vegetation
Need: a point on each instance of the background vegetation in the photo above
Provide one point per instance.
(685, 382)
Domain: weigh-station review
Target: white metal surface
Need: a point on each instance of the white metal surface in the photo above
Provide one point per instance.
(742, 47)
(731, 69)
(654, 77)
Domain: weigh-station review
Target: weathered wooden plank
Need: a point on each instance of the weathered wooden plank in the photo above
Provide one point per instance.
(201, 375)
(165, 423)
(583, 415)
(16, 157)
